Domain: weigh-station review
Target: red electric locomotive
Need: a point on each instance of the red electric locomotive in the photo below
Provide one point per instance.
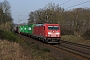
(49, 33)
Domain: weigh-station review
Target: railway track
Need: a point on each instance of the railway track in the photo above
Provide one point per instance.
(76, 44)
(77, 49)
(74, 49)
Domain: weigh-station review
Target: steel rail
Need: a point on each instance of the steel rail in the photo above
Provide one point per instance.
(75, 48)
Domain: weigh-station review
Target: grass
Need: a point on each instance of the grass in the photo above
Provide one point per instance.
(75, 39)
(39, 53)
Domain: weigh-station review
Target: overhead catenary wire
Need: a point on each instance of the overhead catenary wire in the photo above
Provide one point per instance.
(78, 4)
(22, 19)
(65, 2)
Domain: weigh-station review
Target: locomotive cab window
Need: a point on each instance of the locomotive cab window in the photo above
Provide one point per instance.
(53, 28)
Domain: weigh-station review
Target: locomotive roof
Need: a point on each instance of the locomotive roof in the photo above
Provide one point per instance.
(39, 24)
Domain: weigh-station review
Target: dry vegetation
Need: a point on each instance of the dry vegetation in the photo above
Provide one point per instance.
(12, 51)
(24, 51)
(6, 26)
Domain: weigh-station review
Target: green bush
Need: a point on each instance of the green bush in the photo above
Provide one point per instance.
(8, 35)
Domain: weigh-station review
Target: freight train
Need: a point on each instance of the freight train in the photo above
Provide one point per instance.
(49, 33)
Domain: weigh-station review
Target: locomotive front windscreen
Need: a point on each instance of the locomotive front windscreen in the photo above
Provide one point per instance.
(53, 28)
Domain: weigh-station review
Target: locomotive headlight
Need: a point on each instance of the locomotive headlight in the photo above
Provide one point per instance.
(49, 33)
(56, 33)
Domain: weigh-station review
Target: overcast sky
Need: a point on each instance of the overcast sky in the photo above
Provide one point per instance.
(21, 8)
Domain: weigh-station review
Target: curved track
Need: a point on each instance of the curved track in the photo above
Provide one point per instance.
(77, 49)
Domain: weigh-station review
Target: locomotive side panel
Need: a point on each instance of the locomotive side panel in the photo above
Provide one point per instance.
(49, 33)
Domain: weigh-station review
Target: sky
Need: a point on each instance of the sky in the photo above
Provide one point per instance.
(20, 9)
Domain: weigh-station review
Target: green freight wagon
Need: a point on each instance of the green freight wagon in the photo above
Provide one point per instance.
(30, 28)
(21, 29)
(25, 30)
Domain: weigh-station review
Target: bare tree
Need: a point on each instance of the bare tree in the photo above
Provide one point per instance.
(5, 14)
